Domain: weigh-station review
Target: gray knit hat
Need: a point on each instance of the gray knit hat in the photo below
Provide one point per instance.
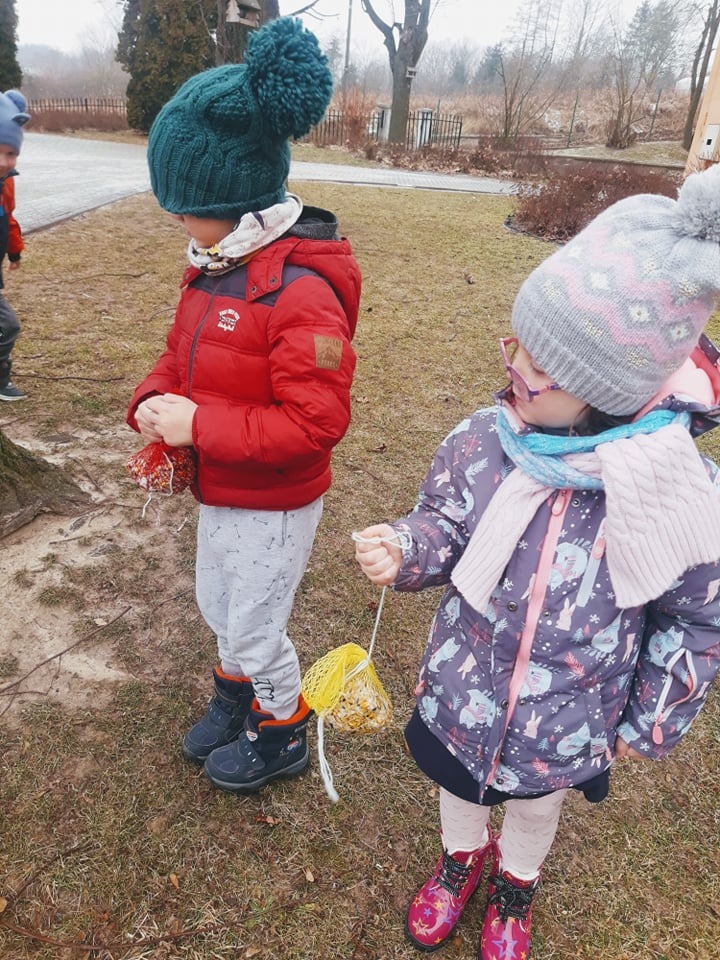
(620, 307)
(219, 148)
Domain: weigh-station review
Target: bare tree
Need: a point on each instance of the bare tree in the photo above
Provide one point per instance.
(404, 42)
(641, 53)
(231, 38)
(552, 42)
(700, 67)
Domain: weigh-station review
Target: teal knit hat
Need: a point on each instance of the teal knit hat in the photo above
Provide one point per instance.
(219, 148)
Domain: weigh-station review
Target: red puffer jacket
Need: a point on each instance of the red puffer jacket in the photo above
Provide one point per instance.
(11, 240)
(264, 350)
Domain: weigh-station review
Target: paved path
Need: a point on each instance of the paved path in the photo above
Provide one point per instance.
(61, 177)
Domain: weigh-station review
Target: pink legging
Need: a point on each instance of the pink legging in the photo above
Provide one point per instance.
(528, 829)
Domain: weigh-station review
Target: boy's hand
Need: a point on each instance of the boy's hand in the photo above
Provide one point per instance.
(379, 561)
(623, 751)
(146, 418)
(13, 264)
(174, 419)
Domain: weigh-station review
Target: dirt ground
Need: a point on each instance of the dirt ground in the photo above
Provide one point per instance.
(58, 658)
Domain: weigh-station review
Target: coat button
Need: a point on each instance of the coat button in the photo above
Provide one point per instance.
(253, 289)
(512, 606)
(574, 502)
(273, 281)
(504, 704)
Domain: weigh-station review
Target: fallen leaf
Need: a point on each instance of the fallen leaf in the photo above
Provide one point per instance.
(273, 821)
(309, 876)
(3, 904)
(174, 881)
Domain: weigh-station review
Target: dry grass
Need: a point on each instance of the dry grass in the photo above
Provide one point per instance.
(109, 837)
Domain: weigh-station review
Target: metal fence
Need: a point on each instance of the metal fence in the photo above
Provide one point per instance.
(428, 129)
(115, 105)
(425, 128)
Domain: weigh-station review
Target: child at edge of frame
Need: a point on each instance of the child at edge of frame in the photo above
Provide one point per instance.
(255, 377)
(13, 117)
(576, 529)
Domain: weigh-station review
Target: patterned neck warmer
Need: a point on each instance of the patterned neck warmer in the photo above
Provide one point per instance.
(253, 232)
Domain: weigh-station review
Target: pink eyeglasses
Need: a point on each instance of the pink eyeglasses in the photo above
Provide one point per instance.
(521, 388)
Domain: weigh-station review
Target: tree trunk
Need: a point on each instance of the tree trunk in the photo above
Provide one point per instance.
(400, 99)
(30, 486)
(689, 128)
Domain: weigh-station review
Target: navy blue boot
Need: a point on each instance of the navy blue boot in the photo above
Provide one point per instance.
(267, 750)
(224, 719)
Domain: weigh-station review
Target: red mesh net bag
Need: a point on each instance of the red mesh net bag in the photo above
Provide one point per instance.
(159, 468)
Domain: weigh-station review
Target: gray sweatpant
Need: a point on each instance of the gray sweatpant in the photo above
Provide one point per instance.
(249, 565)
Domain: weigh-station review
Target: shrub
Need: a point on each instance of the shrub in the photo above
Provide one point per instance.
(563, 203)
(61, 121)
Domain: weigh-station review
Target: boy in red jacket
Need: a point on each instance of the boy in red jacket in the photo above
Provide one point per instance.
(12, 119)
(255, 377)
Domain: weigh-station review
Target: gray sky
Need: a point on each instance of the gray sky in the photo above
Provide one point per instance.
(69, 24)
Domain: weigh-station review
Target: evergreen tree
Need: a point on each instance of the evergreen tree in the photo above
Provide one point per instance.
(10, 72)
(161, 44)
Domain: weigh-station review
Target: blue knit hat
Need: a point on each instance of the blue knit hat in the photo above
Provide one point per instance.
(12, 118)
(219, 148)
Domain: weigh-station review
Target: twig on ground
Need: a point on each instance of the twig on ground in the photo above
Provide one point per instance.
(61, 653)
(12, 898)
(40, 376)
(84, 469)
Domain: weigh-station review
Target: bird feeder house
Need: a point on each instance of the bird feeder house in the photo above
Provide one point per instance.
(246, 12)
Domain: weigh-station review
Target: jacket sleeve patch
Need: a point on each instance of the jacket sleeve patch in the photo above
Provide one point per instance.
(328, 352)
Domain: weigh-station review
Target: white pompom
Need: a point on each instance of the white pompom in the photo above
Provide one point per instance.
(698, 205)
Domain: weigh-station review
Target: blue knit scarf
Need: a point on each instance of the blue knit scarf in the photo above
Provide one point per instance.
(540, 455)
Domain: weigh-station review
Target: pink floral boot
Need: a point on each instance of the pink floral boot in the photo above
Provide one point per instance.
(439, 903)
(506, 928)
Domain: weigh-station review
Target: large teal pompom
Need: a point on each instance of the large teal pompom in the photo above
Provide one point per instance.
(289, 75)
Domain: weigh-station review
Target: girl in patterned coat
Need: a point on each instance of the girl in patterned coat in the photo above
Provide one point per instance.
(576, 529)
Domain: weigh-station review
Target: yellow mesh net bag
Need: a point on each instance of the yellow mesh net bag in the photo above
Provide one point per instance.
(343, 688)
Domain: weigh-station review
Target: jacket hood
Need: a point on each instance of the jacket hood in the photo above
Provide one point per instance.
(693, 389)
(314, 223)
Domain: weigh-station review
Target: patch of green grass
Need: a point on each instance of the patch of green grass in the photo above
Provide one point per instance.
(666, 153)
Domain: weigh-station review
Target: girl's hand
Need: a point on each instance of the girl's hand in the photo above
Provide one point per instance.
(146, 419)
(623, 751)
(379, 559)
(174, 419)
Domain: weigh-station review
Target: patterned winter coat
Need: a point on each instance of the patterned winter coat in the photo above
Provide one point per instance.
(531, 695)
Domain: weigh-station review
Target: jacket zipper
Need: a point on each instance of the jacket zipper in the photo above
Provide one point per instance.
(535, 605)
(191, 359)
(662, 712)
(196, 337)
